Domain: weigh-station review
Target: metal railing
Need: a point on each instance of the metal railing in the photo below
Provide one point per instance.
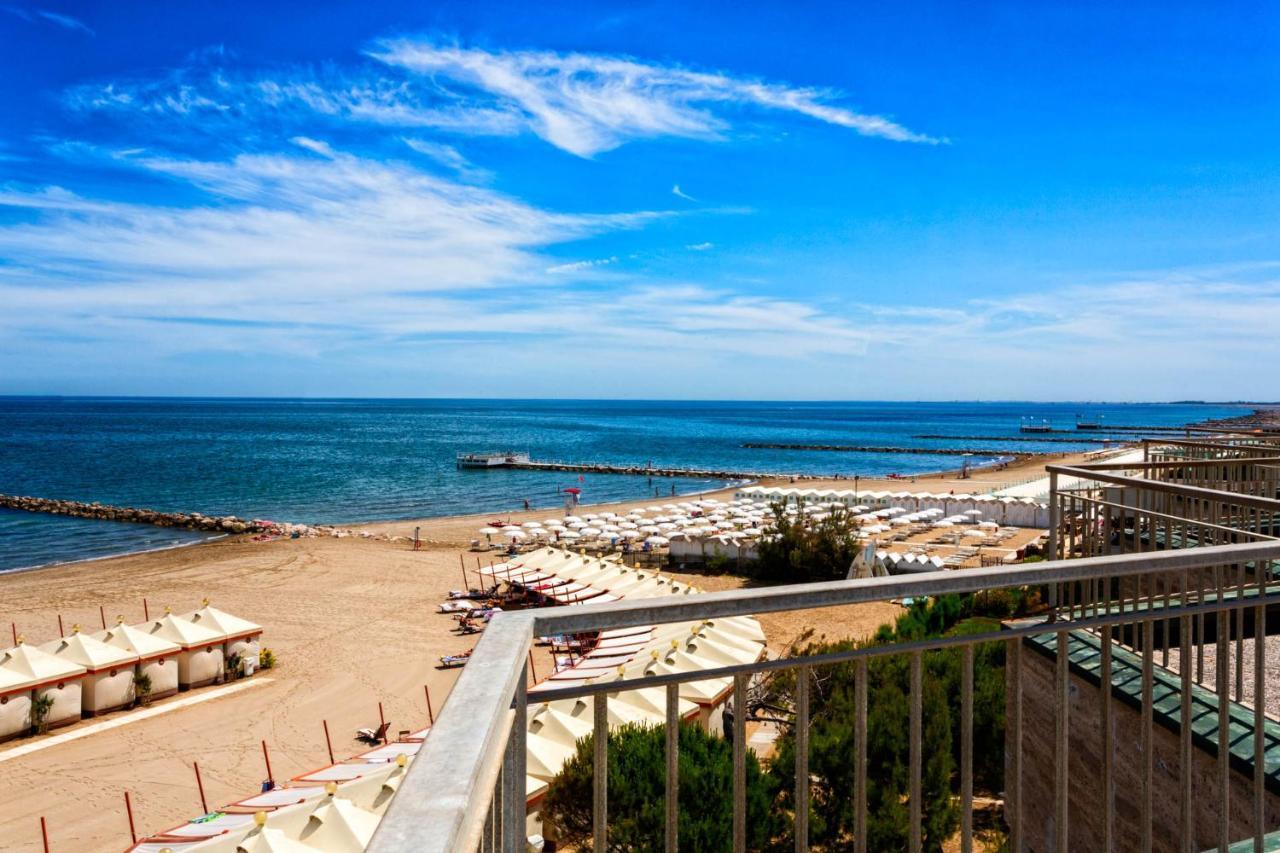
(466, 790)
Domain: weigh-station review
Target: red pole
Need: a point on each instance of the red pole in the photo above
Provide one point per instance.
(382, 721)
(267, 758)
(102, 614)
(61, 631)
(200, 785)
(328, 742)
(146, 613)
(128, 807)
(44, 834)
(431, 715)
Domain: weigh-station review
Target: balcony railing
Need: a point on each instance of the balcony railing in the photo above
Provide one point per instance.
(466, 790)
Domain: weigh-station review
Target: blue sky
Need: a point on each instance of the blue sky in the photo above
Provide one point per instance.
(809, 201)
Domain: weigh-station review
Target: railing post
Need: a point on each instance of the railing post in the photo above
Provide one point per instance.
(740, 763)
(673, 769)
(600, 793)
(966, 750)
(916, 753)
(514, 774)
(802, 759)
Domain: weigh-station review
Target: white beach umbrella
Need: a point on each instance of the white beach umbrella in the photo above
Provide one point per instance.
(650, 528)
(667, 525)
(657, 540)
(974, 532)
(630, 534)
(974, 512)
(988, 525)
(513, 533)
(570, 519)
(627, 525)
(489, 531)
(944, 523)
(570, 534)
(531, 525)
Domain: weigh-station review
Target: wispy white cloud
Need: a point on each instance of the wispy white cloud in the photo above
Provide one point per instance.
(61, 20)
(700, 247)
(582, 103)
(589, 103)
(449, 157)
(579, 266)
(65, 21)
(679, 193)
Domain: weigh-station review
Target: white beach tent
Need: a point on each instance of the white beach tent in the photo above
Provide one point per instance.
(46, 675)
(200, 660)
(109, 671)
(243, 638)
(157, 657)
(15, 704)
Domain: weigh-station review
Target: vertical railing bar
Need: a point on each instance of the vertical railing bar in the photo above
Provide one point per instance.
(740, 763)
(1015, 736)
(1061, 735)
(673, 768)
(1185, 775)
(1108, 750)
(1259, 717)
(1148, 711)
(966, 751)
(802, 759)
(600, 770)
(916, 752)
(860, 757)
(514, 774)
(1239, 615)
(1223, 666)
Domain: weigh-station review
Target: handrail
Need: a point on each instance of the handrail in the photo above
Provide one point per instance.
(1237, 498)
(687, 608)
(441, 803)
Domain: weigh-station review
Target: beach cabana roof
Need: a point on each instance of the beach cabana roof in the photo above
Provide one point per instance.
(233, 627)
(34, 667)
(183, 632)
(135, 640)
(93, 655)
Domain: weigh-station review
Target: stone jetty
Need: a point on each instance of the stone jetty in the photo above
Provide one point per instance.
(864, 448)
(185, 520)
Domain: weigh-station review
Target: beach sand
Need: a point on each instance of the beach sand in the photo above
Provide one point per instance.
(353, 622)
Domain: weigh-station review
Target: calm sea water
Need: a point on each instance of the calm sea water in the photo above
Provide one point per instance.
(356, 460)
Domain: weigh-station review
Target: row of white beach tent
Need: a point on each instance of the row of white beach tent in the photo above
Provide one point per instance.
(1011, 511)
(653, 525)
(335, 809)
(555, 726)
(86, 674)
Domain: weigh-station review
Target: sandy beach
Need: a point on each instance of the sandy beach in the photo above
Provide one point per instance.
(353, 622)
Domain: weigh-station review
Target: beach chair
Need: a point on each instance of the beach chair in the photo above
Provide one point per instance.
(375, 736)
(450, 661)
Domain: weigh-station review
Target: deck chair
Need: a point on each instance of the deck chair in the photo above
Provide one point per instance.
(374, 736)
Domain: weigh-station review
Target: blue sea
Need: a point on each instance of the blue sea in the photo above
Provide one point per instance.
(332, 461)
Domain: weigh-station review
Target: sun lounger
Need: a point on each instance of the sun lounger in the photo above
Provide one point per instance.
(378, 735)
(449, 661)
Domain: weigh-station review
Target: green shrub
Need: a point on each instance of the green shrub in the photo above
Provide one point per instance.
(637, 791)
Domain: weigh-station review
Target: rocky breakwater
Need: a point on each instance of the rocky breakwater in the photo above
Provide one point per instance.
(186, 520)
